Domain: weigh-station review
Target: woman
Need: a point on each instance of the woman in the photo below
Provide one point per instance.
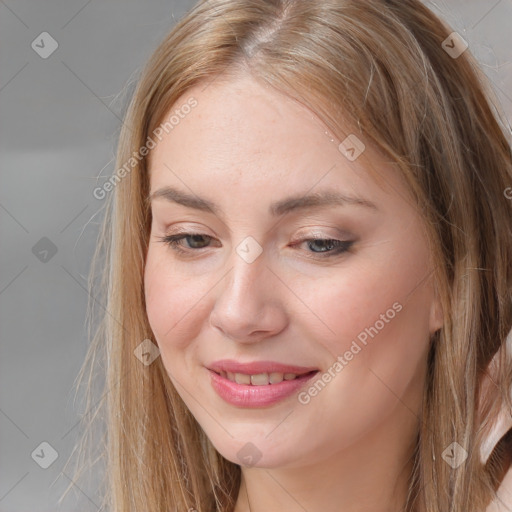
(308, 265)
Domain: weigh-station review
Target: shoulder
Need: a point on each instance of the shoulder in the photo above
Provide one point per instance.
(503, 502)
(500, 442)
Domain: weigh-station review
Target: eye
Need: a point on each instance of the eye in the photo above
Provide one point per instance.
(328, 247)
(174, 241)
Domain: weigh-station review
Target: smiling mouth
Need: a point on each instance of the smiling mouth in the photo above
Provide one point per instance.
(262, 379)
(260, 389)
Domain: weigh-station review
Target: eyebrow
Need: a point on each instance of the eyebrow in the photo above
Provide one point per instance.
(292, 203)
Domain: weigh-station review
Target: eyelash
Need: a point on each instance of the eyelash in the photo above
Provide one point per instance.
(173, 242)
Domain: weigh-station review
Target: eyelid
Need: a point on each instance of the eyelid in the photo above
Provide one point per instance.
(340, 246)
(301, 234)
(316, 232)
(187, 229)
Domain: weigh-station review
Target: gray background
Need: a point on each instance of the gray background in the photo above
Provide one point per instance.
(59, 122)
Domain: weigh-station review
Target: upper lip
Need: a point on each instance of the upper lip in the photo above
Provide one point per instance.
(257, 367)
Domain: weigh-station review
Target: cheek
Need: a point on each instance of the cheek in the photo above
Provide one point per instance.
(375, 316)
(173, 303)
(380, 332)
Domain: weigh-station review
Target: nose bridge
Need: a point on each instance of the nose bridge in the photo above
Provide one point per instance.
(248, 263)
(246, 284)
(247, 299)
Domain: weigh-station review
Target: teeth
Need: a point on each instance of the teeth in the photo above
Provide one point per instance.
(275, 377)
(240, 378)
(261, 379)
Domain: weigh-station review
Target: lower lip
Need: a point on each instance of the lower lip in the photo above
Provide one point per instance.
(247, 395)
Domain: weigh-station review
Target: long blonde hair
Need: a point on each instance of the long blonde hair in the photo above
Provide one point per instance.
(379, 67)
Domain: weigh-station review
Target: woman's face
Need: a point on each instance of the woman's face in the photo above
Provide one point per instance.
(254, 285)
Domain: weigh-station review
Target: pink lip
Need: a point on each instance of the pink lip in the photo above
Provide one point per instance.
(256, 367)
(247, 395)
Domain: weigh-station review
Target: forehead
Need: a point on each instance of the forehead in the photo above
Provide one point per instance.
(245, 135)
(242, 117)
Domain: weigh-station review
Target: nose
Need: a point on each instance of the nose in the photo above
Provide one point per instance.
(248, 305)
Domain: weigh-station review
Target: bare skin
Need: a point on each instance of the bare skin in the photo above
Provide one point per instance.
(349, 447)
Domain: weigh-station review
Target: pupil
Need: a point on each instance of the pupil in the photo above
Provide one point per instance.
(329, 244)
(196, 238)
